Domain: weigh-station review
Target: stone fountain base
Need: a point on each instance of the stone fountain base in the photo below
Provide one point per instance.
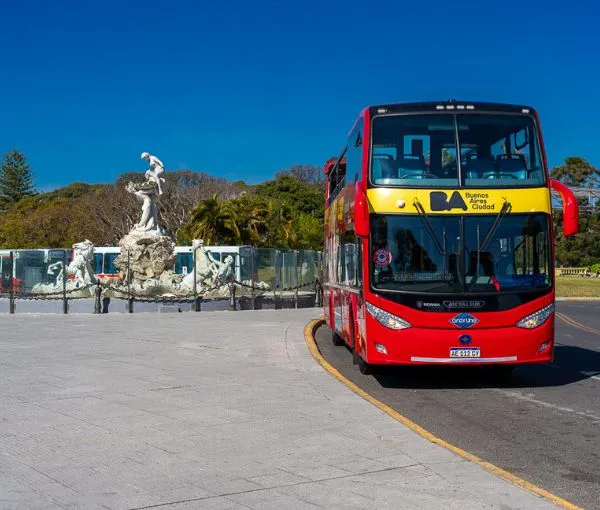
(146, 256)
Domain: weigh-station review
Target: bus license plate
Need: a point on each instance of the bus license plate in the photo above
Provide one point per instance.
(465, 353)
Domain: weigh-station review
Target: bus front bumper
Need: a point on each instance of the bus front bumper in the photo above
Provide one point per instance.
(507, 345)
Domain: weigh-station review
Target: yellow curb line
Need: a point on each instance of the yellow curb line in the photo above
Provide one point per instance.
(309, 336)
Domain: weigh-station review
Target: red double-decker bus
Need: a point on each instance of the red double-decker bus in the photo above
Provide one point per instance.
(438, 236)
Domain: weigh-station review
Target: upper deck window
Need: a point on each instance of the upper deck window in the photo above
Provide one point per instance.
(451, 150)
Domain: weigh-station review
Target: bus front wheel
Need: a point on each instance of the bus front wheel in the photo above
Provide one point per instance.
(336, 339)
(363, 366)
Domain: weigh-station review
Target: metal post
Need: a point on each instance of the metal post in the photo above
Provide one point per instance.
(196, 303)
(316, 293)
(232, 303)
(98, 303)
(297, 283)
(65, 276)
(276, 303)
(129, 296)
(11, 294)
(253, 276)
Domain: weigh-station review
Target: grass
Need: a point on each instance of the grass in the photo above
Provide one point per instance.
(577, 286)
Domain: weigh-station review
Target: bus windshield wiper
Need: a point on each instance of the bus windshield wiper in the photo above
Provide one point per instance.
(425, 218)
(506, 207)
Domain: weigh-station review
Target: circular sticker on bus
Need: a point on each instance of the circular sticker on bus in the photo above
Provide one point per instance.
(382, 257)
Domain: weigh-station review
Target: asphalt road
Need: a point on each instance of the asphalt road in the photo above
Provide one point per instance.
(542, 424)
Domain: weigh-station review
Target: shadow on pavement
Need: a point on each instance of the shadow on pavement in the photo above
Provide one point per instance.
(571, 364)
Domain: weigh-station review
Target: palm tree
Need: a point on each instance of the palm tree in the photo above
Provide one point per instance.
(255, 212)
(214, 221)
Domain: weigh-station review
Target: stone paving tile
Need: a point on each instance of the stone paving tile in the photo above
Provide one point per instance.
(218, 503)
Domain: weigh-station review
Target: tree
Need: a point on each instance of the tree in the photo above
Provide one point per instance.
(300, 195)
(584, 248)
(576, 171)
(16, 179)
(286, 212)
(310, 174)
(213, 221)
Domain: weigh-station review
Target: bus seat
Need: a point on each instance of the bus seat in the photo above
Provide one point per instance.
(486, 263)
(388, 169)
(383, 166)
(411, 166)
(512, 165)
(480, 168)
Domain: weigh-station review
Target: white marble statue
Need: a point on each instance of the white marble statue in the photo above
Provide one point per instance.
(148, 192)
(82, 264)
(81, 267)
(56, 270)
(210, 272)
(156, 168)
(148, 223)
(222, 272)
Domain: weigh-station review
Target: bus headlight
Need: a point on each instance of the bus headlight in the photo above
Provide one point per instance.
(387, 319)
(537, 318)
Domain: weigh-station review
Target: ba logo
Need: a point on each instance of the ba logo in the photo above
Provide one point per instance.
(438, 201)
(464, 320)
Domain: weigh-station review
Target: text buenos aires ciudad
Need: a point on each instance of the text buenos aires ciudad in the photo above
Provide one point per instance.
(479, 201)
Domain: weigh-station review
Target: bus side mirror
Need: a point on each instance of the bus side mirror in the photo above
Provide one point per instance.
(570, 208)
(361, 211)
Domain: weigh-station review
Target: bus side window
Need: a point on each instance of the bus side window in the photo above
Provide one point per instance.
(350, 270)
(109, 259)
(98, 263)
(353, 167)
(340, 276)
(358, 251)
(184, 263)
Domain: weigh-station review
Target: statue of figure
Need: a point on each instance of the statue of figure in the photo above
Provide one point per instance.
(222, 272)
(81, 266)
(53, 269)
(156, 168)
(146, 192)
(210, 272)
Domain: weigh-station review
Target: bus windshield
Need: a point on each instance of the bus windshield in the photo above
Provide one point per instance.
(405, 255)
(450, 150)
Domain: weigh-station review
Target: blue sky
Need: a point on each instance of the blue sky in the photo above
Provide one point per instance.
(243, 89)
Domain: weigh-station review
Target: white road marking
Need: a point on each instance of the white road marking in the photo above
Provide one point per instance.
(530, 398)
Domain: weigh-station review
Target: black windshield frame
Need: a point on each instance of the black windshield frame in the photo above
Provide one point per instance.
(517, 266)
(462, 150)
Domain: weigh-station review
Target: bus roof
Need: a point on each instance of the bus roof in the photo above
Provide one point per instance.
(449, 105)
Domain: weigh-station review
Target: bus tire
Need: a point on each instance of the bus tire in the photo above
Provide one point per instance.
(355, 357)
(336, 339)
(363, 367)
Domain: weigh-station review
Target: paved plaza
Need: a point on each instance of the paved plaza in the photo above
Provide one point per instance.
(223, 410)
